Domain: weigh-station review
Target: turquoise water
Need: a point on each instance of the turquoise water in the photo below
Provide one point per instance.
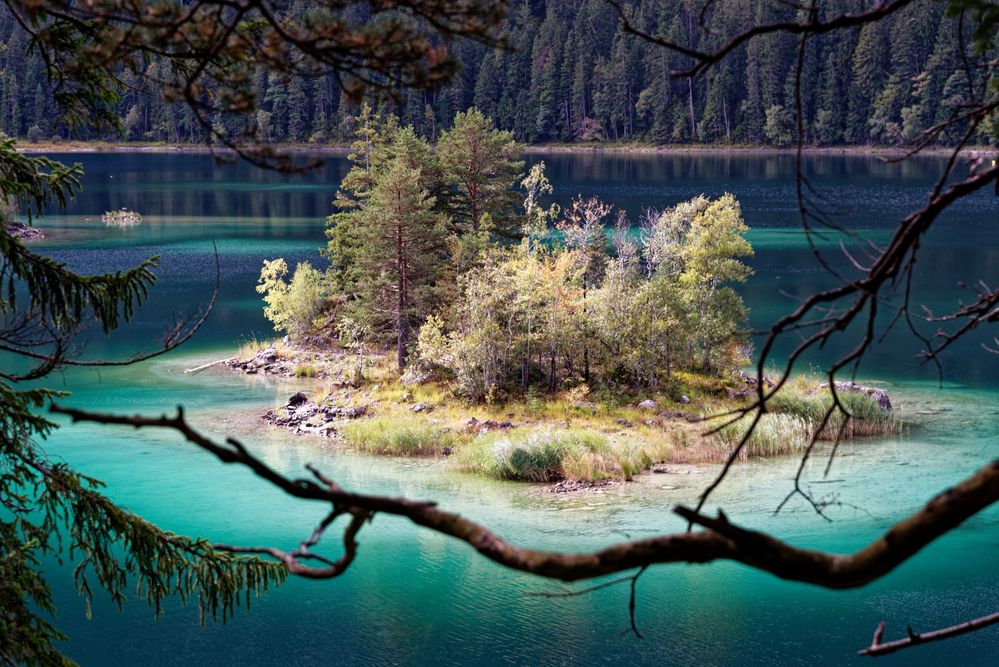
(417, 598)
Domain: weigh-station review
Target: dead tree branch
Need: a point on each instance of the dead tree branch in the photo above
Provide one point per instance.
(878, 648)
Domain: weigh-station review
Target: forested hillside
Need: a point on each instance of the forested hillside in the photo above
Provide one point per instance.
(575, 75)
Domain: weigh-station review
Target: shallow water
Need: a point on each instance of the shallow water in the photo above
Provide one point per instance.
(418, 598)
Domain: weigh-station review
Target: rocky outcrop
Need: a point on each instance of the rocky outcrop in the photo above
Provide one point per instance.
(474, 425)
(877, 393)
(301, 415)
(569, 486)
(309, 357)
(264, 361)
(752, 380)
(23, 232)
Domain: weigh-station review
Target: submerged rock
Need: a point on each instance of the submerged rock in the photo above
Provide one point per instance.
(302, 416)
(568, 486)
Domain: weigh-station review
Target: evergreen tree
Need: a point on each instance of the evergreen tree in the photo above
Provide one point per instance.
(481, 162)
(867, 81)
(402, 242)
(572, 74)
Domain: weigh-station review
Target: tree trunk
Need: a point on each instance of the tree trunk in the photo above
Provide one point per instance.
(552, 370)
(525, 363)
(690, 83)
(473, 196)
(728, 128)
(401, 326)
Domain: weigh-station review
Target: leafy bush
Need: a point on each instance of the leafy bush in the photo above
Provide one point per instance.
(575, 312)
(795, 413)
(294, 307)
(399, 437)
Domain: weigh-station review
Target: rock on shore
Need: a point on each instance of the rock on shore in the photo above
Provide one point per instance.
(878, 394)
(23, 232)
(302, 415)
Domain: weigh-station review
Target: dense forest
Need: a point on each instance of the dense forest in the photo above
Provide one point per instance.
(574, 74)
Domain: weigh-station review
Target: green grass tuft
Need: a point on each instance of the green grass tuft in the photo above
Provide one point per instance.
(398, 436)
(543, 455)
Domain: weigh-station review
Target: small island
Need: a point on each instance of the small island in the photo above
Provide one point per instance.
(465, 316)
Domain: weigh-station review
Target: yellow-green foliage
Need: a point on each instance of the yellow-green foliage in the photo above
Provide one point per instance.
(398, 436)
(550, 316)
(292, 307)
(121, 218)
(253, 346)
(305, 371)
(774, 435)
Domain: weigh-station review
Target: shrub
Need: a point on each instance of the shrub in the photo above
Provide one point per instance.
(398, 436)
(34, 134)
(794, 415)
(305, 371)
(810, 407)
(867, 417)
(293, 307)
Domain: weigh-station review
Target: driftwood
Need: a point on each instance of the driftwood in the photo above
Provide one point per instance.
(202, 367)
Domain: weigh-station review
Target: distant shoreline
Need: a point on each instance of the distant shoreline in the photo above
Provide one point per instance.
(537, 149)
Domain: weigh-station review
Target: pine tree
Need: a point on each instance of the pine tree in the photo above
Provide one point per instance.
(401, 254)
(298, 115)
(867, 80)
(482, 163)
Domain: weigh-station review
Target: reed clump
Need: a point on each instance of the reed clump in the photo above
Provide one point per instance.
(398, 437)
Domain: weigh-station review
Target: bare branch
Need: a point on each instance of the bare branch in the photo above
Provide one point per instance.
(878, 648)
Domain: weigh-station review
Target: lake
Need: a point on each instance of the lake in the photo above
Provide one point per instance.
(414, 597)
